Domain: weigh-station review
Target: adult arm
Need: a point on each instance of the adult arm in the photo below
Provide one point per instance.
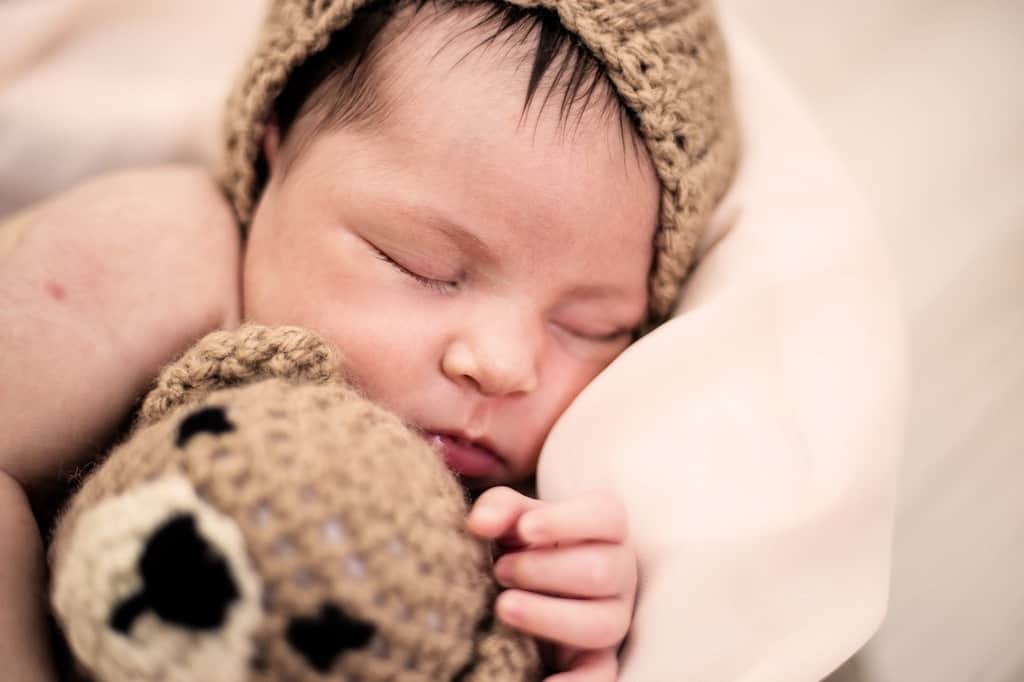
(755, 438)
(99, 288)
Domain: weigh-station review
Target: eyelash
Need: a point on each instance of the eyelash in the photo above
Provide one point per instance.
(437, 285)
(445, 287)
(605, 338)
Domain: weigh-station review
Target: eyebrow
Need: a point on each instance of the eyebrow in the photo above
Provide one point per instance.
(583, 291)
(471, 244)
(457, 233)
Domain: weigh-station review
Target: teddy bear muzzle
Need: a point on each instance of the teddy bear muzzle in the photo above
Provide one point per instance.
(186, 582)
(157, 585)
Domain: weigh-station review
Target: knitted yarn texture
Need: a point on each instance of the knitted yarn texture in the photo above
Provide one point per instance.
(666, 59)
(226, 359)
(334, 534)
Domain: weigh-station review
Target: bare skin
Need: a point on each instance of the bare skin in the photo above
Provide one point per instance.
(108, 277)
(106, 281)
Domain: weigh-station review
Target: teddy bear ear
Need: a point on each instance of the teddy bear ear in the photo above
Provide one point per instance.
(229, 358)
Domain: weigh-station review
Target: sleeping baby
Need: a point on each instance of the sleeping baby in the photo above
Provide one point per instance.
(481, 204)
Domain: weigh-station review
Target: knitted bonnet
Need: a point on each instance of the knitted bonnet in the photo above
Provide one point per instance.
(666, 59)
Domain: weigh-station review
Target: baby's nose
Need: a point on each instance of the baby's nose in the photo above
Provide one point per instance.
(497, 348)
(491, 369)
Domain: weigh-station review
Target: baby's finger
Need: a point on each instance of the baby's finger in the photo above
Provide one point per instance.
(495, 513)
(591, 570)
(596, 516)
(583, 623)
(601, 665)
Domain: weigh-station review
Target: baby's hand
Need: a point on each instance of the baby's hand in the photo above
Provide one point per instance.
(571, 575)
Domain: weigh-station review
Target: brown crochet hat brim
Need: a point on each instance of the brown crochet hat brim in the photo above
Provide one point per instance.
(666, 58)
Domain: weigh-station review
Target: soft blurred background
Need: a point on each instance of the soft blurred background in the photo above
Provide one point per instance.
(923, 99)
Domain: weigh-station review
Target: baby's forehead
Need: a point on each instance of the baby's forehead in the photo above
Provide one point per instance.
(527, 54)
(453, 34)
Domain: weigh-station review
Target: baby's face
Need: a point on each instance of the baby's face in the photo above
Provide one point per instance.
(475, 271)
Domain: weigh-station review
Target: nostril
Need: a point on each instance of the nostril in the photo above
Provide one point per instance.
(185, 581)
(324, 637)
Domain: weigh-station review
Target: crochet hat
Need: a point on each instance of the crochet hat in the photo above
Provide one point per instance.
(666, 59)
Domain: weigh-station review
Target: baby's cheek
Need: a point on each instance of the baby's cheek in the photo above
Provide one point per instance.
(569, 377)
(260, 284)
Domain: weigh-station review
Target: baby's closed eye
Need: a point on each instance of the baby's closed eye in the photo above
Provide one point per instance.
(444, 286)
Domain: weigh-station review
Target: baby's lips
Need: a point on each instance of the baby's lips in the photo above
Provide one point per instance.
(466, 458)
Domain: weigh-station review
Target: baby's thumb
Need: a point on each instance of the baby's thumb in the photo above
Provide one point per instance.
(495, 516)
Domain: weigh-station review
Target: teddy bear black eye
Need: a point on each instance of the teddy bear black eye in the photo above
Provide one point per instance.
(207, 420)
(324, 637)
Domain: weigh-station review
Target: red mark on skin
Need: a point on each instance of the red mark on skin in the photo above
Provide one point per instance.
(55, 289)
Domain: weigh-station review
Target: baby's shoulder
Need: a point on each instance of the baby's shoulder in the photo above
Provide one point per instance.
(155, 217)
(167, 194)
(174, 198)
(156, 245)
(138, 205)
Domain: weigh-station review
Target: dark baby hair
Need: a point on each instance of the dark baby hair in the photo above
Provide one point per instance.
(336, 86)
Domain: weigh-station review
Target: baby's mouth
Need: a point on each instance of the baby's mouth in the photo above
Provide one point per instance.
(466, 458)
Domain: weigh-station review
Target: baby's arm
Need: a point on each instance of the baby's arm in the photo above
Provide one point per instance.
(99, 287)
(23, 645)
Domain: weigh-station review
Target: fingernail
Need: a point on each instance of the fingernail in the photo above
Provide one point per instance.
(510, 610)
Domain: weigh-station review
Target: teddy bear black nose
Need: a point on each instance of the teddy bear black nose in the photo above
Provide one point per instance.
(321, 639)
(185, 581)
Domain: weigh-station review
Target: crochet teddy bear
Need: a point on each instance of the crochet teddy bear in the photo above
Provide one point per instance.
(264, 521)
